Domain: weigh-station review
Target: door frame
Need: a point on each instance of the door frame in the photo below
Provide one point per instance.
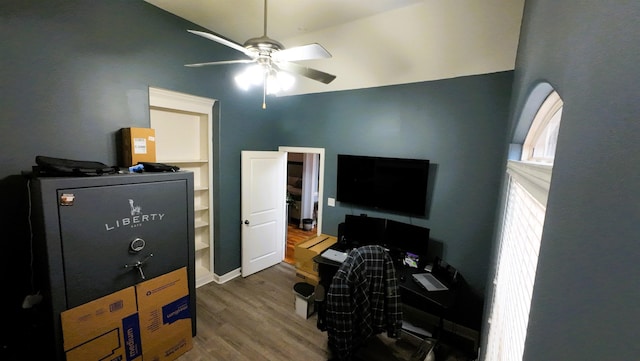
(321, 152)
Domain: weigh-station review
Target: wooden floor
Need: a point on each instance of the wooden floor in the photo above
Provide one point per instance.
(296, 235)
(253, 319)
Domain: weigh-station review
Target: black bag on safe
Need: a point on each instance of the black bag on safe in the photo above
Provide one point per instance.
(158, 167)
(59, 167)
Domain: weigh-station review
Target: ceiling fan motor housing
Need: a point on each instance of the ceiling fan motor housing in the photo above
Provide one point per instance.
(263, 44)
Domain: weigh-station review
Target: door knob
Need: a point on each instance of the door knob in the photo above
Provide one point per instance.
(246, 221)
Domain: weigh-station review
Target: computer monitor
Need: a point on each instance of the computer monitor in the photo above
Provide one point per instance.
(364, 230)
(403, 237)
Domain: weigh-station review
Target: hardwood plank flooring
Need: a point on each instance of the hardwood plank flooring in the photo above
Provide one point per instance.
(295, 235)
(254, 319)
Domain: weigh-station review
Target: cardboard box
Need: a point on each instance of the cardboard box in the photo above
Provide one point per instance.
(104, 329)
(137, 145)
(305, 251)
(310, 278)
(150, 321)
(165, 317)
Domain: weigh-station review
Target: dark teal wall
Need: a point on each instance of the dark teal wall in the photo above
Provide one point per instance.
(73, 72)
(586, 294)
(458, 124)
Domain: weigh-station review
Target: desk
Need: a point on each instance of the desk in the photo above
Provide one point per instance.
(435, 302)
(443, 300)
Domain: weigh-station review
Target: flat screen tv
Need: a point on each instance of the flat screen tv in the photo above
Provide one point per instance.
(389, 184)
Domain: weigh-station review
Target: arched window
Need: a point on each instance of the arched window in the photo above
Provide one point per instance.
(540, 143)
(523, 216)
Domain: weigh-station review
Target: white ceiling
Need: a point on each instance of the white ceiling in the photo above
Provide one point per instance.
(373, 42)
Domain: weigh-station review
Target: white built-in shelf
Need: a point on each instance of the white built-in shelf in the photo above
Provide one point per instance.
(200, 224)
(201, 245)
(182, 124)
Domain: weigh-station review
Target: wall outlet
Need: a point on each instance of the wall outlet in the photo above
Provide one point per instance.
(331, 202)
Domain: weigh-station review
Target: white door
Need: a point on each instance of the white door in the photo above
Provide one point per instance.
(263, 203)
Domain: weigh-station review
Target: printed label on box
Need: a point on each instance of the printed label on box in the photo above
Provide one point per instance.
(131, 330)
(139, 146)
(177, 310)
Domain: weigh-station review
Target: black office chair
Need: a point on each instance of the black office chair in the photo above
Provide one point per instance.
(362, 301)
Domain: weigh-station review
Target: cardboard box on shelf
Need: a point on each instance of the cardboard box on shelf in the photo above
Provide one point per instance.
(305, 251)
(165, 317)
(103, 329)
(137, 145)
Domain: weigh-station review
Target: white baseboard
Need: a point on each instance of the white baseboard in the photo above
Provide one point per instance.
(227, 276)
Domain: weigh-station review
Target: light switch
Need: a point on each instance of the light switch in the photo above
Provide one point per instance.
(331, 202)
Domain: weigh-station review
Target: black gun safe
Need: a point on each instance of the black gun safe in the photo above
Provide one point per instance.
(97, 235)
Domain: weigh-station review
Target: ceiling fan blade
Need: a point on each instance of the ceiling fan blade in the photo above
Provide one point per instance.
(220, 63)
(307, 72)
(226, 42)
(303, 52)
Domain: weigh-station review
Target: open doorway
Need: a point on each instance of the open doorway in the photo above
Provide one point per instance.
(305, 177)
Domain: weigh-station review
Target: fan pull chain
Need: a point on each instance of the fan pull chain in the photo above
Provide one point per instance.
(264, 89)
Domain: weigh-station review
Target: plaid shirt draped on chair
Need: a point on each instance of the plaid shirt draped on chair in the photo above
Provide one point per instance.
(362, 300)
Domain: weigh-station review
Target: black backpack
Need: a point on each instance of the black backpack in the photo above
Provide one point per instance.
(59, 167)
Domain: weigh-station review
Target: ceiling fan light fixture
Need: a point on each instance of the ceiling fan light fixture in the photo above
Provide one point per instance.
(279, 81)
(251, 76)
(242, 81)
(286, 80)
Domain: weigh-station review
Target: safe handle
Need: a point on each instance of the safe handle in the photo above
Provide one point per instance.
(138, 265)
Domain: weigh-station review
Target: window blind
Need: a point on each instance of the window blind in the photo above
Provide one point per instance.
(519, 242)
(515, 276)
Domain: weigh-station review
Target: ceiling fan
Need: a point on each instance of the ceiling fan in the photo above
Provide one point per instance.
(274, 62)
